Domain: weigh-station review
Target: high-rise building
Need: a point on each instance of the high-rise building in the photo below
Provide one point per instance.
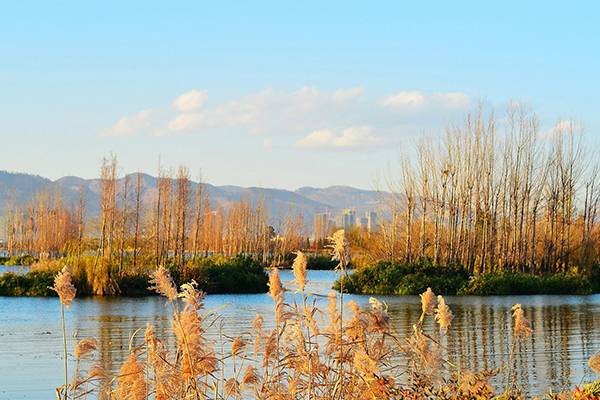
(348, 218)
(371, 217)
(362, 222)
(321, 226)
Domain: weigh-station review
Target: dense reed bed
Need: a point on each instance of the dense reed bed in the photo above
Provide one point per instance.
(335, 351)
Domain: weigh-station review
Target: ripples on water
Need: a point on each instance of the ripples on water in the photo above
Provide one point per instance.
(555, 356)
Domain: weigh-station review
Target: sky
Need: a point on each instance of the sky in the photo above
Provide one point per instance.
(278, 94)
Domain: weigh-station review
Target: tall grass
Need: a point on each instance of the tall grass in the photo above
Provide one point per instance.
(335, 351)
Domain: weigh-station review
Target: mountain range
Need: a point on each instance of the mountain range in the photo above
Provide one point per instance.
(21, 187)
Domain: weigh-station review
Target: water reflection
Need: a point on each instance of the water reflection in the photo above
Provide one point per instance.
(554, 356)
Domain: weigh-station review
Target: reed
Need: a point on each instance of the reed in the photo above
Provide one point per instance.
(335, 351)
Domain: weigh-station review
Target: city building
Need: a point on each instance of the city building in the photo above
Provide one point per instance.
(371, 217)
(348, 218)
(321, 225)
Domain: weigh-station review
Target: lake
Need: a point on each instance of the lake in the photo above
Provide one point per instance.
(565, 332)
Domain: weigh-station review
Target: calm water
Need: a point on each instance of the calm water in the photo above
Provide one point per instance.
(555, 356)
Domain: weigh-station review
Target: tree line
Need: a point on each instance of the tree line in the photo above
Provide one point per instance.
(495, 194)
(139, 226)
(492, 194)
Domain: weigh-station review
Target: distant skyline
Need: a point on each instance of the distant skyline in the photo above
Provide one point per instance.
(273, 94)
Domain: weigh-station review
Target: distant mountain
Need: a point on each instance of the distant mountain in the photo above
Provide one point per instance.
(340, 197)
(20, 188)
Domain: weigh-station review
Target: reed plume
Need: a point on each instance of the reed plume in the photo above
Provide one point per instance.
(162, 283)
(231, 388)
(378, 316)
(522, 327)
(192, 296)
(276, 291)
(594, 363)
(275, 287)
(299, 268)
(84, 348)
(428, 302)
(238, 346)
(250, 377)
(364, 364)
(63, 286)
(131, 384)
(340, 248)
(443, 314)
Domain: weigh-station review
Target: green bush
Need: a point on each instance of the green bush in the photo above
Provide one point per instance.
(17, 260)
(387, 278)
(135, 285)
(35, 283)
(240, 274)
(519, 283)
(321, 262)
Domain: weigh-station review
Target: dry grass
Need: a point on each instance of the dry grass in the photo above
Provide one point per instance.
(310, 353)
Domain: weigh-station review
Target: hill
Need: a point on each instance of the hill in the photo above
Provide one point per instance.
(21, 188)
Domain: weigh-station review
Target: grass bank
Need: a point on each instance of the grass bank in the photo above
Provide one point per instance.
(388, 278)
(213, 275)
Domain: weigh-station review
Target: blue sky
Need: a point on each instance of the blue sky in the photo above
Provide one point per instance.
(274, 94)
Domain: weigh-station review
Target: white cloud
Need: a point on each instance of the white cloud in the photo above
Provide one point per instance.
(562, 127)
(403, 99)
(271, 111)
(184, 122)
(292, 113)
(414, 99)
(347, 138)
(190, 101)
(451, 99)
(347, 94)
(129, 125)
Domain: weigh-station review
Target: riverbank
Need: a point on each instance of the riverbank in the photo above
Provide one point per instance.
(214, 275)
(386, 278)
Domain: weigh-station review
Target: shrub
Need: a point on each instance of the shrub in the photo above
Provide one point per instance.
(387, 278)
(240, 274)
(403, 279)
(34, 283)
(18, 260)
(321, 262)
(519, 283)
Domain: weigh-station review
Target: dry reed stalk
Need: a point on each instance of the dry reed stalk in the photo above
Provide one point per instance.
(63, 286)
(340, 251)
